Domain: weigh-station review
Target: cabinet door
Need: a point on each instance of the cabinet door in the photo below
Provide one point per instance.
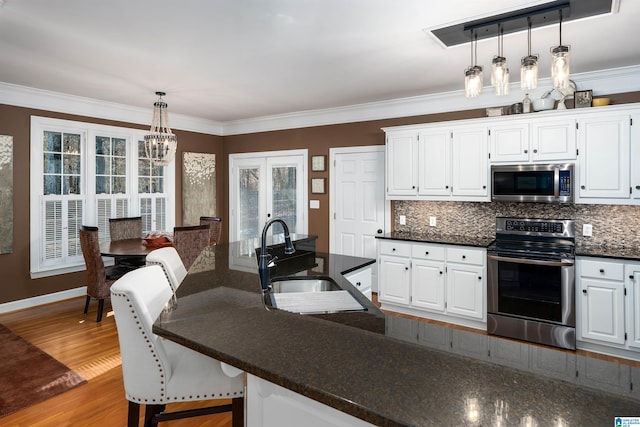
(602, 310)
(395, 280)
(427, 285)
(470, 162)
(401, 164)
(434, 160)
(635, 156)
(553, 140)
(510, 143)
(361, 279)
(604, 157)
(465, 291)
(633, 305)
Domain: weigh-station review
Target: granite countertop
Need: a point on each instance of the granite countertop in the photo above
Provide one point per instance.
(605, 251)
(448, 239)
(348, 363)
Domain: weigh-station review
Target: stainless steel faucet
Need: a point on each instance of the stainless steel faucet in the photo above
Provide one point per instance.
(263, 265)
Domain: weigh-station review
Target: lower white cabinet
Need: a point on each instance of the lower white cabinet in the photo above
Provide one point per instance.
(361, 279)
(436, 281)
(608, 304)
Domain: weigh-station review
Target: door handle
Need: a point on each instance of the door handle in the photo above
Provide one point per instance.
(379, 230)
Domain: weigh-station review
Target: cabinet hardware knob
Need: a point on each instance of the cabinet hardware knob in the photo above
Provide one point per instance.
(426, 253)
(637, 187)
(358, 284)
(602, 270)
(393, 249)
(441, 272)
(413, 187)
(582, 187)
(535, 151)
(631, 277)
(484, 187)
(446, 186)
(464, 256)
(584, 291)
(526, 151)
(406, 268)
(379, 230)
(268, 215)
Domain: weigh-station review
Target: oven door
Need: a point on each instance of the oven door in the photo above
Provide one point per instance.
(531, 289)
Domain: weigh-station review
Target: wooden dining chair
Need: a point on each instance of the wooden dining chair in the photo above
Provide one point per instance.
(99, 277)
(157, 372)
(127, 228)
(190, 241)
(215, 232)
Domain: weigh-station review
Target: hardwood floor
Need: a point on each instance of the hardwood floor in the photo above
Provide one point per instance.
(91, 349)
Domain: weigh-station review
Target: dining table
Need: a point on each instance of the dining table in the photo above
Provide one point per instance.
(125, 248)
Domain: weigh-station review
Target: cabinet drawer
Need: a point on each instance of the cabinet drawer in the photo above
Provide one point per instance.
(602, 269)
(394, 247)
(464, 255)
(425, 251)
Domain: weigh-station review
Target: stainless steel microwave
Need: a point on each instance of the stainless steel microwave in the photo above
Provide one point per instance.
(548, 183)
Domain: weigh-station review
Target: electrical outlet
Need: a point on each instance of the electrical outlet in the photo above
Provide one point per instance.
(587, 230)
(403, 220)
(432, 221)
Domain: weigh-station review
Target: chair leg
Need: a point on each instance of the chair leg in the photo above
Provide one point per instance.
(100, 309)
(133, 418)
(150, 413)
(86, 304)
(237, 412)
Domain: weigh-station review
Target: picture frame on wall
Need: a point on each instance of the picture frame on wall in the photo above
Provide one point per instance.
(318, 163)
(583, 98)
(318, 185)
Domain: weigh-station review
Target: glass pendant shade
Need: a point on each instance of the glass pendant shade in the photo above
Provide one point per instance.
(499, 69)
(160, 144)
(560, 67)
(473, 81)
(529, 72)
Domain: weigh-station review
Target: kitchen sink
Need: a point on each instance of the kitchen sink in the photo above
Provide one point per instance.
(303, 284)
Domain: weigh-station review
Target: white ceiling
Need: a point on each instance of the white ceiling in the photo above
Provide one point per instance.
(229, 60)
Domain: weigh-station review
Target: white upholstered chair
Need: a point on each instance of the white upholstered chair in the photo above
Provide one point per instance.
(170, 261)
(158, 371)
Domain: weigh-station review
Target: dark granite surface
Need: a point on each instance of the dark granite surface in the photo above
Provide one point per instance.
(621, 252)
(448, 239)
(374, 377)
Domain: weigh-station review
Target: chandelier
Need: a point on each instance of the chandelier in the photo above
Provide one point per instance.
(160, 144)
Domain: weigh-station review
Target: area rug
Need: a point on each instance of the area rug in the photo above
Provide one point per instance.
(28, 375)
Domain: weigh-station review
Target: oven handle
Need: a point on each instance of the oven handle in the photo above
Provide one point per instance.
(531, 261)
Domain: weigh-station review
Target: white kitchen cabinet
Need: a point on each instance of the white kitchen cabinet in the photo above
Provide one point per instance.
(635, 156)
(603, 143)
(402, 163)
(470, 162)
(601, 301)
(632, 284)
(436, 281)
(533, 141)
(434, 159)
(362, 279)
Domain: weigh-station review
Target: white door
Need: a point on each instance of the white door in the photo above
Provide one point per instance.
(263, 186)
(358, 208)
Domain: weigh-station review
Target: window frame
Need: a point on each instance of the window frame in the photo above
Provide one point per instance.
(88, 131)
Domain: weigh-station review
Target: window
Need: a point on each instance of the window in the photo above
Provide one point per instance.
(84, 174)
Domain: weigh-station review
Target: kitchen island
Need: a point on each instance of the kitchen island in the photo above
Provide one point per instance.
(346, 362)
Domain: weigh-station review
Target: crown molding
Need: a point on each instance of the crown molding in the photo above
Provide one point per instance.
(23, 96)
(617, 80)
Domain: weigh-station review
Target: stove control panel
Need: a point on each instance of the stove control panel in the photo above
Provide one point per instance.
(536, 226)
(541, 227)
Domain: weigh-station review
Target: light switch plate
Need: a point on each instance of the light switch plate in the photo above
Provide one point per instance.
(314, 204)
(587, 230)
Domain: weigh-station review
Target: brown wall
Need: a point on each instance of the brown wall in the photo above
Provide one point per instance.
(16, 282)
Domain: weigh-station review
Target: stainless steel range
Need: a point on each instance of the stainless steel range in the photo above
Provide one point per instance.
(531, 281)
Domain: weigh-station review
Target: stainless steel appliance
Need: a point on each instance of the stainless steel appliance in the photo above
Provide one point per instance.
(531, 281)
(549, 183)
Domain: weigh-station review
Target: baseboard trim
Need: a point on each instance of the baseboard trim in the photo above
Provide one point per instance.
(42, 299)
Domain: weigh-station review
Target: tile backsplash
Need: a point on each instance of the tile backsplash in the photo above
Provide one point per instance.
(613, 225)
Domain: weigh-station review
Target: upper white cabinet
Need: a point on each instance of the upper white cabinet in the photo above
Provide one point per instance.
(438, 163)
(604, 145)
(635, 155)
(525, 141)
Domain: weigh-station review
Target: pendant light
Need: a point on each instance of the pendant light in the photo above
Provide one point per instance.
(473, 74)
(560, 63)
(160, 144)
(529, 65)
(499, 69)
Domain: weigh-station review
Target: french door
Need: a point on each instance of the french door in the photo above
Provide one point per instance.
(267, 185)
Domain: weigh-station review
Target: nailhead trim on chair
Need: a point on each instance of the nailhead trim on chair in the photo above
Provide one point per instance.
(161, 371)
(163, 270)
